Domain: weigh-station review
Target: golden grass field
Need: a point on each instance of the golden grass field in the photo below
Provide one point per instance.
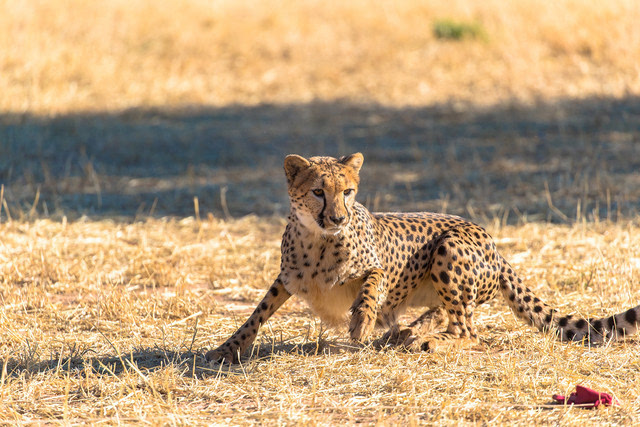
(106, 322)
(70, 55)
(142, 201)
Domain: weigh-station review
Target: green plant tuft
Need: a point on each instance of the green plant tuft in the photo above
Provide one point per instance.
(453, 30)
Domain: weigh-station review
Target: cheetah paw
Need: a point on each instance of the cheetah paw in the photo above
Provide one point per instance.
(361, 326)
(223, 354)
(397, 337)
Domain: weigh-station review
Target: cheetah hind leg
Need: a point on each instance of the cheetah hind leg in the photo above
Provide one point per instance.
(443, 341)
(430, 321)
(459, 334)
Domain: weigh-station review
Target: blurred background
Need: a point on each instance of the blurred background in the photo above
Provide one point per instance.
(499, 111)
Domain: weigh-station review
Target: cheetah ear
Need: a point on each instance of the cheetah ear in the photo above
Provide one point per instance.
(293, 164)
(354, 160)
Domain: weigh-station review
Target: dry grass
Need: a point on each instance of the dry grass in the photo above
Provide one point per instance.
(71, 55)
(130, 109)
(105, 322)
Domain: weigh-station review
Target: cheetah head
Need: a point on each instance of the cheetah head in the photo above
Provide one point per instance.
(322, 190)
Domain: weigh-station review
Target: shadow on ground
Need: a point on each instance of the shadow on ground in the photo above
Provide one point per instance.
(555, 161)
(186, 363)
(189, 363)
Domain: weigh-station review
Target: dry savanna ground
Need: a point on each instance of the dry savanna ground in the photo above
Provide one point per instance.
(106, 322)
(142, 201)
(69, 55)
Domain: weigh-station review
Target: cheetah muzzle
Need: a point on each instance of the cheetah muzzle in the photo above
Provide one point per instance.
(345, 261)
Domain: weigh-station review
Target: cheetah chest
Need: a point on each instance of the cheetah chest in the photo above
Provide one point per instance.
(327, 275)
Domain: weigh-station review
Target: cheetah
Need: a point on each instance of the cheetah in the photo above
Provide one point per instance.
(345, 261)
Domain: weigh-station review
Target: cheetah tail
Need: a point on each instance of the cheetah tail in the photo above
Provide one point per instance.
(537, 313)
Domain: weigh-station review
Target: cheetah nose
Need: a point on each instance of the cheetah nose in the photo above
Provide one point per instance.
(337, 220)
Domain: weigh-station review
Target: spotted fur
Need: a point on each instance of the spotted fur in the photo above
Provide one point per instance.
(344, 260)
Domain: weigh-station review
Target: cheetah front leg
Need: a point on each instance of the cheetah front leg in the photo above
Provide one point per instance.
(231, 350)
(365, 307)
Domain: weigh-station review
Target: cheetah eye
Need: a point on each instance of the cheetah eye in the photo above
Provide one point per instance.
(348, 192)
(318, 192)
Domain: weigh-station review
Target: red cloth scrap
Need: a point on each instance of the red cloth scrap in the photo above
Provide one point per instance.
(587, 398)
